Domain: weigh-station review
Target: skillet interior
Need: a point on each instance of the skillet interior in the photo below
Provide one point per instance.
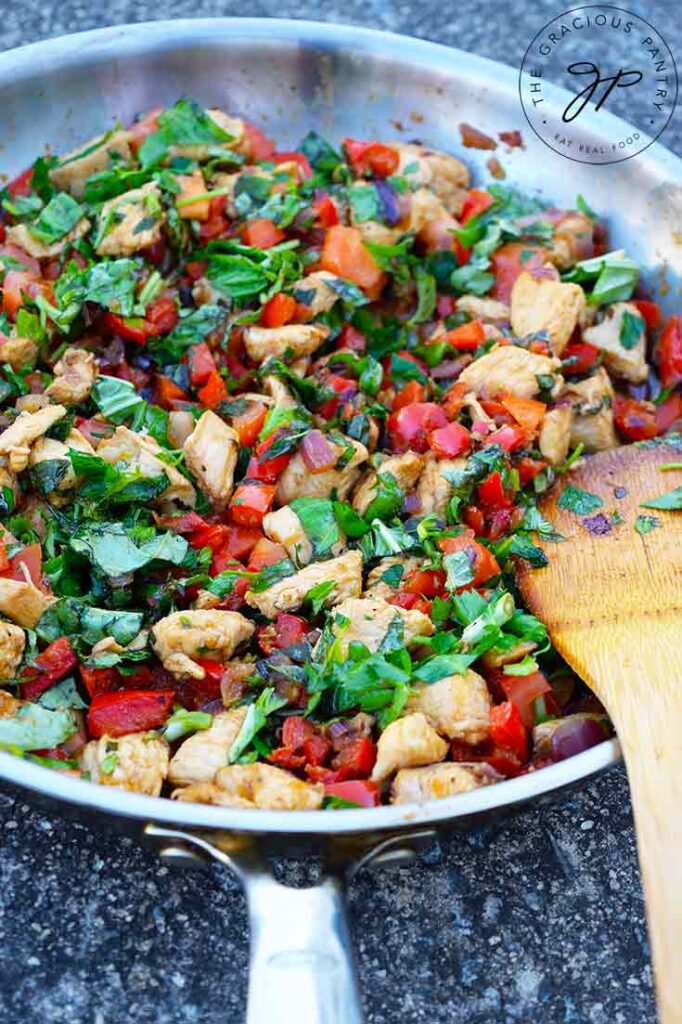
(291, 76)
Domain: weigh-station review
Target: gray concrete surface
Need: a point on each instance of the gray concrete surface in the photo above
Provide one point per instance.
(539, 918)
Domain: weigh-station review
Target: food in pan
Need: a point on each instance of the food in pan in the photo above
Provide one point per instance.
(273, 428)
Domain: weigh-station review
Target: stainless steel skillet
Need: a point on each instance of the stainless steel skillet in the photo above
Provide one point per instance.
(291, 76)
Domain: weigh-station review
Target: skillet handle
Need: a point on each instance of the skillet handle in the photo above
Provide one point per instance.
(302, 964)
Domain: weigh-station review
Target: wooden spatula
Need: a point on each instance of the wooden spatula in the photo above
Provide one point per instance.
(611, 598)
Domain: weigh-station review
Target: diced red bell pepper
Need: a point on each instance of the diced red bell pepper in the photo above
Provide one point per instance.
(355, 791)
(130, 328)
(296, 730)
(124, 711)
(251, 502)
(261, 467)
(670, 353)
(474, 519)
(249, 423)
(183, 524)
(345, 254)
(651, 311)
(262, 233)
(213, 670)
(466, 337)
(279, 310)
(213, 392)
(201, 364)
(266, 552)
(209, 535)
(285, 757)
(503, 760)
(413, 392)
(286, 631)
(356, 759)
(326, 213)
(409, 427)
(317, 749)
(161, 316)
(484, 565)
(426, 582)
(476, 201)
(635, 419)
(523, 690)
(167, 392)
(491, 492)
(55, 662)
(528, 468)
(507, 729)
(509, 438)
(579, 357)
(258, 145)
(99, 680)
(371, 157)
(411, 602)
(450, 441)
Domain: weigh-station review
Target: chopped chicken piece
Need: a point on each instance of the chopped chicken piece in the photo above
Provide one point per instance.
(18, 352)
(47, 449)
(12, 643)
(495, 657)
(317, 291)
(256, 785)
(510, 369)
(458, 706)
(592, 400)
(298, 482)
(16, 440)
(199, 757)
(572, 240)
(76, 167)
(406, 743)
(21, 235)
(9, 705)
(276, 390)
(131, 222)
(23, 602)
(420, 785)
(288, 594)
(377, 586)
(137, 762)
(434, 489)
(427, 214)
(621, 336)
(290, 341)
(369, 620)
(284, 527)
(541, 306)
(555, 434)
(489, 311)
(445, 174)
(141, 453)
(211, 453)
(181, 637)
(75, 375)
(405, 470)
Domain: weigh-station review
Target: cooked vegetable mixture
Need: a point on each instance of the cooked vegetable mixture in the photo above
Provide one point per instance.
(273, 429)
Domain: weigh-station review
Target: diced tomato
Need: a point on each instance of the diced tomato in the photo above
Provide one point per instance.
(278, 310)
(528, 468)
(262, 233)
(98, 680)
(213, 392)
(28, 560)
(161, 316)
(507, 729)
(259, 146)
(509, 261)
(528, 412)
(265, 552)
(262, 468)
(196, 269)
(371, 157)
(241, 540)
(209, 535)
(356, 791)
(466, 337)
(4, 559)
(130, 328)
(296, 731)
(476, 201)
(249, 423)
(55, 662)
(317, 749)
(474, 519)
(251, 502)
(345, 390)
(578, 357)
(345, 255)
(409, 427)
(426, 582)
(213, 670)
(284, 757)
(15, 286)
(636, 420)
(410, 602)
(484, 565)
(326, 213)
(201, 364)
(21, 185)
(356, 759)
(491, 492)
(183, 524)
(509, 438)
(414, 391)
(669, 352)
(523, 690)
(143, 128)
(217, 225)
(651, 311)
(450, 441)
(293, 156)
(286, 631)
(503, 520)
(167, 392)
(124, 711)
(503, 760)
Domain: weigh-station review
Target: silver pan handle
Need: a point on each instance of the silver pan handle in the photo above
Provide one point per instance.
(302, 965)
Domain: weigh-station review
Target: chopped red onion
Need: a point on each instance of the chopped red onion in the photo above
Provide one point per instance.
(317, 453)
(575, 736)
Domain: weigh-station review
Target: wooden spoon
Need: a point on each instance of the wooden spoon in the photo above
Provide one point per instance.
(612, 603)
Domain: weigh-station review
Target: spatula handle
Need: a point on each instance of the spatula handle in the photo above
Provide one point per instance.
(650, 731)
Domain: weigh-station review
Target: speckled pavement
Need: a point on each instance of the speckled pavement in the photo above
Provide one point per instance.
(538, 919)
